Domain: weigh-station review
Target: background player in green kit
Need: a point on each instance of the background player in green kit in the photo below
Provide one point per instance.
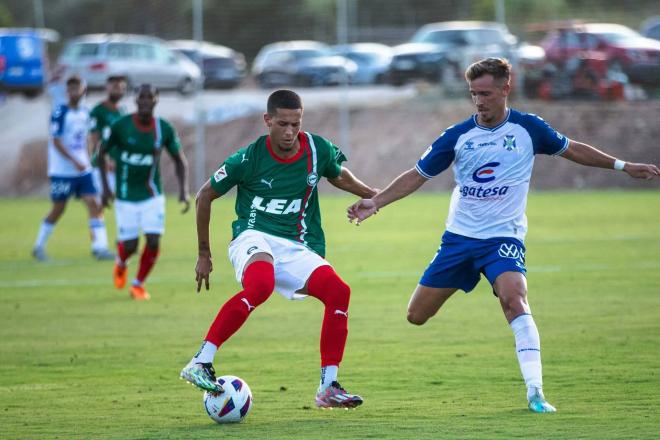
(102, 116)
(135, 143)
(278, 243)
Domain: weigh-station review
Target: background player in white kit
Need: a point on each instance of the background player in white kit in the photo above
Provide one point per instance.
(493, 155)
(70, 171)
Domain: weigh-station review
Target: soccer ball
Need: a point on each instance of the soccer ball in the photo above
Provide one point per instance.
(232, 405)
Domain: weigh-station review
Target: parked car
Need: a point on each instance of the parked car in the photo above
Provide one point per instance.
(651, 27)
(624, 49)
(23, 60)
(440, 51)
(141, 59)
(300, 63)
(222, 67)
(372, 60)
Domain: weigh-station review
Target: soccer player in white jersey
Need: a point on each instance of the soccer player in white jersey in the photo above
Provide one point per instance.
(492, 154)
(70, 171)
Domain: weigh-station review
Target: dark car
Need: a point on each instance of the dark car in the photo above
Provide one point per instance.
(624, 49)
(23, 62)
(300, 63)
(222, 66)
(441, 51)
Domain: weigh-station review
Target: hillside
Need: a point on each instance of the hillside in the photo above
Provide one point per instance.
(388, 140)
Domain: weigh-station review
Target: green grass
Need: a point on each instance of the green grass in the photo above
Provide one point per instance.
(78, 359)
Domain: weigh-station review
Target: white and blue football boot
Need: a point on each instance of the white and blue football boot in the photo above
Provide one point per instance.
(537, 403)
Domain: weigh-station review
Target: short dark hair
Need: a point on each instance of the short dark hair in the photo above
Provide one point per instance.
(283, 99)
(113, 78)
(152, 88)
(74, 80)
(499, 68)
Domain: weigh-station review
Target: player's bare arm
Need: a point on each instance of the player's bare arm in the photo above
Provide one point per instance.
(181, 168)
(589, 156)
(204, 265)
(347, 181)
(60, 147)
(399, 188)
(106, 192)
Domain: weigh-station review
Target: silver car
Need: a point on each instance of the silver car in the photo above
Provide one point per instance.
(141, 59)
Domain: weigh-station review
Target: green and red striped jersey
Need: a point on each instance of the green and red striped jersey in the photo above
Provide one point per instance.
(279, 196)
(136, 150)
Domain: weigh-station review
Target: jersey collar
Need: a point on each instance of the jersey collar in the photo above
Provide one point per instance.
(144, 128)
(302, 139)
(508, 113)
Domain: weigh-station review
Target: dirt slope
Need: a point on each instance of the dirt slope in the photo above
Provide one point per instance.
(388, 140)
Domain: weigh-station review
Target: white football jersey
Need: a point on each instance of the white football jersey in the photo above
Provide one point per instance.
(71, 127)
(492, 169)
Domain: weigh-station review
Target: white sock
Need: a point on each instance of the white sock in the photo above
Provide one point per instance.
(528, 350)
(99, 234)
(328, 375)
(206, 353)
(44, 232)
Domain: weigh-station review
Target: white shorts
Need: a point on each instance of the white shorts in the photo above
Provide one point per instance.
(147, 216)
(294, 263)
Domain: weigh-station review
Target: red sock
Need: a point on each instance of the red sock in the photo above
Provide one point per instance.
(325, 284)
(147, 261)
(121, 253)
(258, 284)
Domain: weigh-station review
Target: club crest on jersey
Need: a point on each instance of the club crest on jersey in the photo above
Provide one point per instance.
(220, 174)
(312, 179)
(509, 142)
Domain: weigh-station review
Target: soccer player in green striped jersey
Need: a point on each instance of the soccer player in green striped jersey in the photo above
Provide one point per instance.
(278, 243)
(136, 142)
(102, 117)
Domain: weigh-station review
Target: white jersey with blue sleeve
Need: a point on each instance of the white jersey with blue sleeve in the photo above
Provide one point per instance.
(492, 169)
(71, 127)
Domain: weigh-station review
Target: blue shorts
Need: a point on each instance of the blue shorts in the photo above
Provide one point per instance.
(460, 261)
(61, 188)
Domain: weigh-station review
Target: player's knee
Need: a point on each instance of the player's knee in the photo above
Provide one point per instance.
(515, 300)
(130, 246)
(330, 288)
(153, 241)
(259, 281)
(416, 318)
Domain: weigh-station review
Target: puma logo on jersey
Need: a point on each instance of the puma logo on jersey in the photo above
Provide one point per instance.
(276, 206)
(249, 306)
(138, 159)
(341, 312)
(268, 183)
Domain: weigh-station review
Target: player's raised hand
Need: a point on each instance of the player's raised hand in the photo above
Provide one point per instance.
(642, 170)
(361, 210)
(203, 269)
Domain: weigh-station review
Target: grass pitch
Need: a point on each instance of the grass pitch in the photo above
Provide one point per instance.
(78, 359)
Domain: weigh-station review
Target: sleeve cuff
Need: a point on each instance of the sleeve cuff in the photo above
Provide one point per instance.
(422, 173)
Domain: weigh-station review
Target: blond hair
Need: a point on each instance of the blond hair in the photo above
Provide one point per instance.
(499, 68)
